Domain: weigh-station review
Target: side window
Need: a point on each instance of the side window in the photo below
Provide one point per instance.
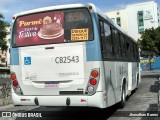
(134, 52)
(137, 52)
(115, 44)
(118, 19)
(113, 40)
(108, 39)
(123, 46)
(129, 49)
(102, 38)
(118, 51)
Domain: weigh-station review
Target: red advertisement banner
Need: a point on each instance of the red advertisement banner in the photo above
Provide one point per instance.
(40, 28)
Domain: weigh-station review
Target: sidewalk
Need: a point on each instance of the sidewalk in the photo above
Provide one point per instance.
(5, 92)
(6, 106)
(153, 72)
(155, 75)
(5, 101)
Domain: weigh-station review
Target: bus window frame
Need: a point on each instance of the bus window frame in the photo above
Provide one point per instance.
(123, 51)
(103, 40)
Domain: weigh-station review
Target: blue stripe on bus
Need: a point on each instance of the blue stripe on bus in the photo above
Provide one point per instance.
(14, 52)
(93, 47)
(14, 60)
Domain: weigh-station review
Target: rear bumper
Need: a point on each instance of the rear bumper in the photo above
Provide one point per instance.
(96, 100)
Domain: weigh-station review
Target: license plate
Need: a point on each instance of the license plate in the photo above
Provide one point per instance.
(51, 84)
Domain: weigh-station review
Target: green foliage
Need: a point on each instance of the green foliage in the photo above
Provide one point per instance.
(3, 33)
(150, 40)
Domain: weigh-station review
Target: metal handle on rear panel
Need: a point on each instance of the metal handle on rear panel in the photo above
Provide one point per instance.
(49, 48)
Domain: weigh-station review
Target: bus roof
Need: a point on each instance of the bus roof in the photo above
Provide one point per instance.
(69, 6)
(57, 7)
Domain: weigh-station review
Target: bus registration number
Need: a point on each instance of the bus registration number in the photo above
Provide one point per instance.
(51, 84)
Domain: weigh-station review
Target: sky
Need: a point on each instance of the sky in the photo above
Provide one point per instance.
(10, 7)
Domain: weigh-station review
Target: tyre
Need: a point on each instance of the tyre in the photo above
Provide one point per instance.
(123, 97)
(137, 84)
(137, 81)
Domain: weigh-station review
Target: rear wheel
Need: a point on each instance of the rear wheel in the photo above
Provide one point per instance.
(123, 97)
(137, 84)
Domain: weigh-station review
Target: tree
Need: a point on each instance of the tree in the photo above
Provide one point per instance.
(3, 33)
(150, 40)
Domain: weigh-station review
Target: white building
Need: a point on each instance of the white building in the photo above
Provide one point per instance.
(119, 16)
(135, 18)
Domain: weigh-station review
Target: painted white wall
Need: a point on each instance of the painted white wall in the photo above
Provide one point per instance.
(119, 13)
(132, 23)
(129, 22)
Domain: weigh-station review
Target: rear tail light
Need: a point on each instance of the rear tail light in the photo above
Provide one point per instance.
(15, 83)
(94, 73)
(13, 76)
(93, 81)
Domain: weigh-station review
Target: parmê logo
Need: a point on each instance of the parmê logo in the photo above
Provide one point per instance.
(6, 114)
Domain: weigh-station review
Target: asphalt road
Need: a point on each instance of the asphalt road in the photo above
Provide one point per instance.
(141, 102)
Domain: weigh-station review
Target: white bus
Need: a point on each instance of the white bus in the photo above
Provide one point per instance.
(71, 55)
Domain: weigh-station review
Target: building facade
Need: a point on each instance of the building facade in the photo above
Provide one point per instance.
(135, 18)
(5, 55)
(119, 16)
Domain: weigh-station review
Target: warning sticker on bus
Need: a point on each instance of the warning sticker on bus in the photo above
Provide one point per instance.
(79, 34)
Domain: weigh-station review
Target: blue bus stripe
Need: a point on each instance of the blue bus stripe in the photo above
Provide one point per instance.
(14, 58)
(93, 50)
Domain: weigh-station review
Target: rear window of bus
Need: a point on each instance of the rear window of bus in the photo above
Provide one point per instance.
(53, 27)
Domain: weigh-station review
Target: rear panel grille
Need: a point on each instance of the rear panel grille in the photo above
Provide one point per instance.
(70, 92)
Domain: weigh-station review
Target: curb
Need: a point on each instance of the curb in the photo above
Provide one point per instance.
(6, 106)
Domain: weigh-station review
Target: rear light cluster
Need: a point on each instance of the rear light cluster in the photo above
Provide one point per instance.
(14, 78)
(15, 85)
(94, 74)
(93, 82)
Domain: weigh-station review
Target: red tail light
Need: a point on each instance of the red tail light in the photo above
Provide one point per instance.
(15, 83)
(13, 76)
(94, 73)
(93, 81)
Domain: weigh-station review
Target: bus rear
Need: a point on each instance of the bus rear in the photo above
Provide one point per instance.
(53, 58)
